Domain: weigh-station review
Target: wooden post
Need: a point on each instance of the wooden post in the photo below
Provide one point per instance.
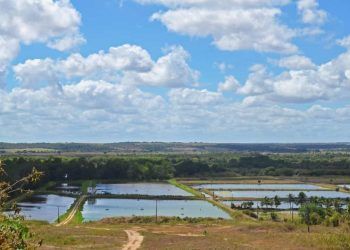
(58, 214)
(156, 210)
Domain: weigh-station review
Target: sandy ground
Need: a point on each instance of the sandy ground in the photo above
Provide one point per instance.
(135, 240)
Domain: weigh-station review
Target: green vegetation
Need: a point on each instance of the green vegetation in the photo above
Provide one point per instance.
(13, 233)
(186, 188)
(167, 166)
(78, 216)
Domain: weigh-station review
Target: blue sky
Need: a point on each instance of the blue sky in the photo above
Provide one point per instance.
(175, 70)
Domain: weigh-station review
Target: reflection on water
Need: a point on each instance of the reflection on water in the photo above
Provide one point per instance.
(141, 188)
(131, 207)
(44, 207)
(260, 186)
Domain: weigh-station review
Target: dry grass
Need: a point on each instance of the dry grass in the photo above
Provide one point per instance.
(85, 236)
(200, 235)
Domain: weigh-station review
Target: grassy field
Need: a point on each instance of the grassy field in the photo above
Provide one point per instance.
(205, 234)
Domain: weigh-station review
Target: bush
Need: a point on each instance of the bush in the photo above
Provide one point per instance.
(251, 214)
(274, 216)
(333, 220)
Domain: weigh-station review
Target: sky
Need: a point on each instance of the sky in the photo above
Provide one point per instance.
(175, 70)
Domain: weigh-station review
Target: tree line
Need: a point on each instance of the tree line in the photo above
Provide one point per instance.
(161, 167)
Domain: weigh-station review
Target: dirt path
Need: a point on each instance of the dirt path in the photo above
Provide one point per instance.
(72, 213)
(134, 240)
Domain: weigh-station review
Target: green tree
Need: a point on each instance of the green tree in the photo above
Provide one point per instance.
(291, 200)
(267, 202)
(311, 214)
(276, 201)
(247, 205)
(301, 199)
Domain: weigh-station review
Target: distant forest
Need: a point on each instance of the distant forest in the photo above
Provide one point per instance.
(166, 166)
(159, 147)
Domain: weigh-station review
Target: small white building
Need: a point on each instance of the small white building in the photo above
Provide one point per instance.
(91, 190)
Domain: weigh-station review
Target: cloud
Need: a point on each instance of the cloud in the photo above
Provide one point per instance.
(217, 3)
(310, 13)
(233, 24)
(29, 21)
(193, 97)
(223, 67)
(296, 62)
(230, 84)
(171, 70)
(103, 111)
(345, 42)
(302, 83)
(233, 28)
(128, 64)
(67, 42)
(86, 105)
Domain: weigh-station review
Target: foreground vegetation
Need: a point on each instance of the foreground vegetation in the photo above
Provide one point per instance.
(174, 233)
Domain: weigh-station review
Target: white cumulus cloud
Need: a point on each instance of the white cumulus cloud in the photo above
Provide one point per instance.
(28, 21)
(310, 12)
(233, 24)
(128, 64)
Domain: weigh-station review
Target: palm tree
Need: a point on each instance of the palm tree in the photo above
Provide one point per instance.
(266, 202)
(315, 200)
(276, 201)
(337, 205)
(291, 200)
(301, 198)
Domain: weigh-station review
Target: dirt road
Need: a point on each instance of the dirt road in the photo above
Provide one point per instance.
(134, 240)
(72, 213)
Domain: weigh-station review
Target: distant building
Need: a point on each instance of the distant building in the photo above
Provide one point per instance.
(91, 190)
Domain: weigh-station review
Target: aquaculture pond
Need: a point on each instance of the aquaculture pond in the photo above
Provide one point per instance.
(97, 209)
(45, 207)
(347, 186)
(141, 189)
(283, 206)
(66, 188)
(260, 186)
(282, 194)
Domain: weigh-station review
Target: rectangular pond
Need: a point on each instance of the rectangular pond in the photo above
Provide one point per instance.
(141, 189)
(45, 207)
(282, 194)
(97, 209)
(260, 186)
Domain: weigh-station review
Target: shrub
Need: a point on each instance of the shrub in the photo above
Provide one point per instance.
(274, 216)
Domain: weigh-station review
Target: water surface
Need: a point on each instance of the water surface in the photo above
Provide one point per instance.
(44, 207)
(141, 188)
(260, 186)
(283, 194)
(102, 208)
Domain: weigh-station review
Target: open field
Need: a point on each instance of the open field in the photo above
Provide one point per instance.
(240, 232)
(110, 234)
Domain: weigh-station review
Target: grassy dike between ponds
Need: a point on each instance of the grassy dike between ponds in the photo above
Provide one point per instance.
(78, 216)
(233, 213)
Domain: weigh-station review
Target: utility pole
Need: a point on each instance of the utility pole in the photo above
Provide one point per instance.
(58, 214)
(156, 210)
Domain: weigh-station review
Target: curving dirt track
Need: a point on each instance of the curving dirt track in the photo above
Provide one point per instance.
(134, 240)
(72, 213)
